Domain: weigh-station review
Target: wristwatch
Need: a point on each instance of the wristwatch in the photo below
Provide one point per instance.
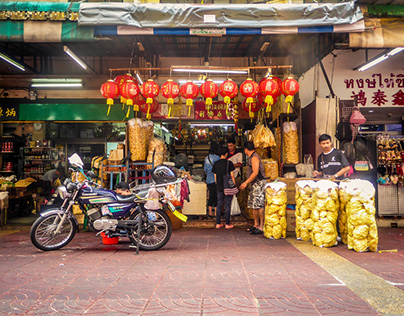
(335, 176)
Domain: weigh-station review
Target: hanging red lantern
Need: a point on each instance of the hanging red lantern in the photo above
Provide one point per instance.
(149, 90)
(251, 107)
(249, 89)
(149, 108)
(110, 91)
(129, 90)
(269, 89)
(170, 90)
(120, 80)
(228, 90)
(209, 91)
(189, 91)
(289, 88)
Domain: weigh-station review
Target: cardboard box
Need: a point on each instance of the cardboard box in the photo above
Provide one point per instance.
(291, 189)
(290, 220)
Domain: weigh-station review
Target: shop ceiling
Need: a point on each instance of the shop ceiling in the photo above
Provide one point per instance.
(47, 58)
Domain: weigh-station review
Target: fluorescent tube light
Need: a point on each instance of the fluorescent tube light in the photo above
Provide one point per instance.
(139, 78)
(379, 58)
(210, 124)
(56, 85)
(12, 61)
(211, 71)
(199, 82)
(164, 129)
(77, 59)
(56, 80)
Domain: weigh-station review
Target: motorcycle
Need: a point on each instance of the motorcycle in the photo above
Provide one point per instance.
(142, 219)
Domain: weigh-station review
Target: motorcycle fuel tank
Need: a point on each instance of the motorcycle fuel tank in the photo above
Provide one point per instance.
(92, 195)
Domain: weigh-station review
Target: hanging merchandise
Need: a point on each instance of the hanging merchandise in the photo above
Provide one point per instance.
(289, 88)
(129, 90)
(251, 108)
(290, 143)
(110, 91)
(149, 90)
(120, 80)
(357, 117)
(148, 108)
(269, 89)
(304, 206)
(170, 90)
(249, 89)
(209, 91)
(275, 210)
(189, 91)
(228, 90)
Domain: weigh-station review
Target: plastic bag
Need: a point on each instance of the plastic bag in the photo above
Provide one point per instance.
(304, 205)
(235, 208)
(275, 210)
(290, 143)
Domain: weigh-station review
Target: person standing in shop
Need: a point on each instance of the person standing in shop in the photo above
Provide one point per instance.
(331, 163)
(256, 197)
(220, 168)
(210, 160)
(236, 157)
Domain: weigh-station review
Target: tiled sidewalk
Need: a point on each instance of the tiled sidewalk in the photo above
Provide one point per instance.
(199, 272)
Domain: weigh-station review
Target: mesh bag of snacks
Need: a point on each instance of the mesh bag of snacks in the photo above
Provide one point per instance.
(325, 214)
(342, 217)
(271, 168)
(290, 143)
(360, 210)
(275, 210)
(304, 206)
(158, 148)
(137, 140)
(263, 137)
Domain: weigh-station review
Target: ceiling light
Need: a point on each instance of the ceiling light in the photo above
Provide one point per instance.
(139, 78)
(12, 61)
(379, 58)
(199, 82)
(164, 129)
(370, 111)
(211, 71)
(56, 85)
(77, 59)
(49, 80)
(210, 124)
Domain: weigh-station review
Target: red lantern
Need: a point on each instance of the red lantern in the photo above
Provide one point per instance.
(249, 89)
(269, 89)
(120, 80)
(189, 91)
(110, 91)
(149, 90)
(209, 91)
(228, 89)
(149, 108)
(289, 88)
(170, 90)
(251, 107)
(129, 90)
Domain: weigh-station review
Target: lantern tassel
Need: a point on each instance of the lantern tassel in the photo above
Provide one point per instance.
(170, 101)
(227, 99)
(129, 102)
(169, 109)
(148, 116)
(250, 100)
(189, 109)
(127, 113)
(269, 108)
(149, 100)
(208, 103)
(109, 109)
(123, 100)
(289, 98)
(269, 100)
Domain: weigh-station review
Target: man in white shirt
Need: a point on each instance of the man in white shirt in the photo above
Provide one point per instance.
(236, 157)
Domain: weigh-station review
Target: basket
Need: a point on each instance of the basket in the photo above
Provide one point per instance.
(109, 240)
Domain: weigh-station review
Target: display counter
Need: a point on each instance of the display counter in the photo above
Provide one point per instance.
(197, 199)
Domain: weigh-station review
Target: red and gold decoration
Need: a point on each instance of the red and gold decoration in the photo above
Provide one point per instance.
(120, 80)
(170, 90)
(189, 91)
(110, 91)
(129, 90)
(269, 89)
(149, 108)
(235, 107)
(249, 89)
(149, 90)
(209, 91)
(228, 90)
(251, 107)
(137, 102)
(289, 88)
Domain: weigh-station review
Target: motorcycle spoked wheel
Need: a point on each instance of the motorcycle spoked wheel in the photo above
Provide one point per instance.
(43, 236)
(156, 231)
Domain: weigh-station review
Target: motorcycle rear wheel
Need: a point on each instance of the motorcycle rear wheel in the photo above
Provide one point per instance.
(156, 231)
(42, 232)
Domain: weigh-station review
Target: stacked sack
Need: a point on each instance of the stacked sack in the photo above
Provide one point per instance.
(290, 143)
(157, 148)
(139, 134)
(304, 206)
(360, 208)
(342, 218)
(275, 210)
(325, 214)
(270, 168)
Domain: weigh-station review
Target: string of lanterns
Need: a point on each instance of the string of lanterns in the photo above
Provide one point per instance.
(257, 95)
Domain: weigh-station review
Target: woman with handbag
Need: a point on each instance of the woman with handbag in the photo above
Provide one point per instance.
(225, 186)
(210, 160)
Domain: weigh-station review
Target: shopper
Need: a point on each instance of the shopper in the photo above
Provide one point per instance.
(48, 181)
(236, 157)
(331, 163)
(210, 160)
(256, 197)
(220, 168)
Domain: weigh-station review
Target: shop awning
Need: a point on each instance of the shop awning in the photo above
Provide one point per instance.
(218, 16)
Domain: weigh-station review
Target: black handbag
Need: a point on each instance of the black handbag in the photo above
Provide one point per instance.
(229, 187)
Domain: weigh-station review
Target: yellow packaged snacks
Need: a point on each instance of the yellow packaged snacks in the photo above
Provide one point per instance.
(275, 210)
(304, 206)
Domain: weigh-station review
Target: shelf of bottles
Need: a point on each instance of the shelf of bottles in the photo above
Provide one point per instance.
(38, 160)
(7, 148)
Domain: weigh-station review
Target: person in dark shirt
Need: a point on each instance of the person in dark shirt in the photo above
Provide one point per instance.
(221, 168)
(331, 163)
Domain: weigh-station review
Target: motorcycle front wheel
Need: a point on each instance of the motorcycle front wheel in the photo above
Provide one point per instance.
(155, 231)
(43, 232)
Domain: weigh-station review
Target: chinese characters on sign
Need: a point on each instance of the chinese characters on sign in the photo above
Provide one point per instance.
(8, 112)
(377, 90)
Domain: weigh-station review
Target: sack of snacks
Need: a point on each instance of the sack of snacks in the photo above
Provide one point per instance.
(304, 206)
(290, 143)
(325, 214)
(342, 217)
(271, 168)
(275, 210)
(158, 148)
(138, 138)
(360, 208)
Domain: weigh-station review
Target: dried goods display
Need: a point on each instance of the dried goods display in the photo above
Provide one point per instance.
(290, 143)
(360, 208)
(157, 148)
(262, 152)
(325, 214)
(275, 210)
(271, 169)
(342, 218)
(138, 134)
(263, 137)
(304, 206)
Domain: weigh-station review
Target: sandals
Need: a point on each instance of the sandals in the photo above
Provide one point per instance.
(250, 229)
(219, 226)
(256, 231)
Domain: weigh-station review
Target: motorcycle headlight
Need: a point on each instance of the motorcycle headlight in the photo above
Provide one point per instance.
(71, 186)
